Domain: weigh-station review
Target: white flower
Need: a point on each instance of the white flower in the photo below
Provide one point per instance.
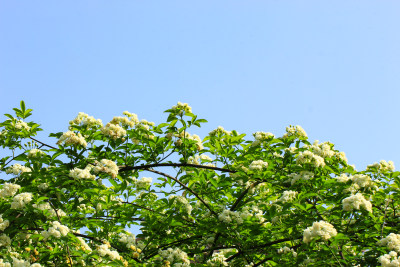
(18, 169)
(181, 201)
(392, 241)
(3, 223)
(258, 165)
(46, 207)
(362, 180)
(104, 250)
(217, 260)
(287, 196)
(228, 216)
(355, 202)
(20, 200)
(303, 175)
(389, 260)
(71, 138)
(296, 131)
(219, 130)
(21, 124)
(34, 153)
(79, 174)
(382, 166)
(9, 190)
(143, 183)
(343, 178)
(5, 240)
(114, 131)
(309, 157)
(174, 256)
(107, 166)
(182, 107)
(56, 230)
(86, 120)
(319, 229)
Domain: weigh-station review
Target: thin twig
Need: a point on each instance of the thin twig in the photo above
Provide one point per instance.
(144, 167)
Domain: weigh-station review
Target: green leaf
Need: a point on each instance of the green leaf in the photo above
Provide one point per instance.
(22, 104)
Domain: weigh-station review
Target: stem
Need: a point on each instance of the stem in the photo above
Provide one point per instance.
(187, 188)
(330, 249)
(145, 167)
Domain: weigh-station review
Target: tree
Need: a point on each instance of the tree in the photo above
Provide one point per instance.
(221, 201)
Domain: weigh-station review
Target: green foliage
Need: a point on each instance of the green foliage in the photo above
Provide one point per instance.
(217, 201)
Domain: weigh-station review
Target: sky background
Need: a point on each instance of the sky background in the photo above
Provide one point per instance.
(332, 67)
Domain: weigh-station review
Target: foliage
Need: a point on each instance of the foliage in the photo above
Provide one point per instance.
(221, 201)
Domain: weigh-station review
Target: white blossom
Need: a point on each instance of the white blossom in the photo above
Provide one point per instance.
(392, 241)
(71, 138)
(18, 169)
(319, 229)
(258, 165)
(20, 200)
(355, 202)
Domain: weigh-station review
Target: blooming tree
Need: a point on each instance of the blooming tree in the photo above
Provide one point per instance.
(224, 200)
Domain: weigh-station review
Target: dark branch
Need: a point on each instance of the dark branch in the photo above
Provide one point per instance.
(144, 167)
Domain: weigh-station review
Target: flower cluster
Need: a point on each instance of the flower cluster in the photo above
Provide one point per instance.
(107, 166)
(183, 202)
(389, 260)
(3, 223)
(258, 165)
(175, 255)
(382, 166)
(83, 244)
(296, 131)
(132, 116)
(323, 150)
(80, 174)
(56, 230)
(392, 241)
(127, 238)
(219, 130)
(71, 138)
(143, 183)
(186, 135)
(343, 178)
(287, 196)
(34, 153)
(228, 216)
(311, 158)
(285, 250)
(104, 250)
(303, 175)
(124, 121)
(261, 136)
(9, 190)
(18, 169)
(21, 124)
(319, 229)
(114, 131)
(217, 260)
(182, 107)
(355, 202)
(362, 180)
(197, 159)
(20, 200)
(86, 120)
(46, 207)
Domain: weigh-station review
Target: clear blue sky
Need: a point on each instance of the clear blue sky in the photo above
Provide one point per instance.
(332, 67)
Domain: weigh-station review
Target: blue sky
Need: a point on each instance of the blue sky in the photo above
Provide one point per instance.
(330, 66)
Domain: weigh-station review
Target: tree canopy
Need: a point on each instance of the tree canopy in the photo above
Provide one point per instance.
(224, 200)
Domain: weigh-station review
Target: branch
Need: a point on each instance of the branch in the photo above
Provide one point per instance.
(187, 188)
(42, 143)
(145, 167)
